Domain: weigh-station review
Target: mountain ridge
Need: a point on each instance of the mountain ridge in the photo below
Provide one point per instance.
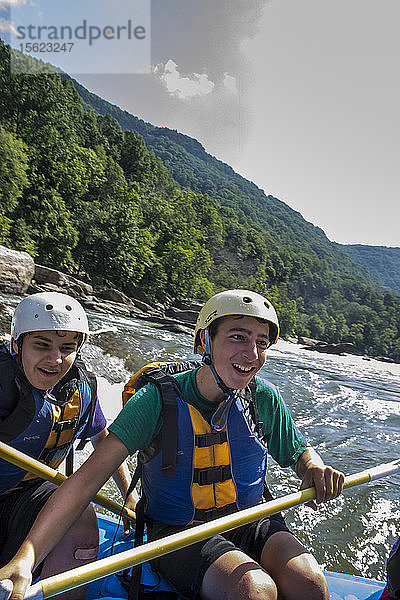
(278, 213)
(383, 261)
(373, 269)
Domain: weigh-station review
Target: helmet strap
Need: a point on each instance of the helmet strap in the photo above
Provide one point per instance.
(220, 417)
(207, 360)
(20, 377)
(19, 353)
(226, 390)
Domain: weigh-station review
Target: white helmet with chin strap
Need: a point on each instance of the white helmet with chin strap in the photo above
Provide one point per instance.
(49, 311)
(224, 304)
(236, 302)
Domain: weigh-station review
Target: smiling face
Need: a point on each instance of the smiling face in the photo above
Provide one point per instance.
(47, 356)
(238, 349)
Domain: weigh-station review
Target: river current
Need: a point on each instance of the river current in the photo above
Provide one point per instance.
(348, 407)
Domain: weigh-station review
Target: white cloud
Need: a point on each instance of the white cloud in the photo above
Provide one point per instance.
(11, 3)
(6, 26)
(196, 84)
(6, 6)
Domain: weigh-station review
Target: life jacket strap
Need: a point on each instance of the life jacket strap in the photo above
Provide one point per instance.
(212, 475)
(134, 588)
(48, 454)
(210, 439)
(61, 426)
(169, 390)
(204, 515)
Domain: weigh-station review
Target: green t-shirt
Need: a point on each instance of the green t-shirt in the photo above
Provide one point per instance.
(140, 420)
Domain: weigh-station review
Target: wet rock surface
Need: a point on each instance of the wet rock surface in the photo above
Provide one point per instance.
(16, 271)
(20, 275)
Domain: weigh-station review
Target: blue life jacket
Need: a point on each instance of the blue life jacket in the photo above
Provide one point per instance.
(225, 469)
(192, 473)
(42, 427)
(216, 474)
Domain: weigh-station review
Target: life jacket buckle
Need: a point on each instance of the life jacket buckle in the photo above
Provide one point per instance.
(212, 475)
(206, 440)
(61, 426)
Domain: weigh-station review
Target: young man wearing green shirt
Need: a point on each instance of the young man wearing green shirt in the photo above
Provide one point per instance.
(219, 468)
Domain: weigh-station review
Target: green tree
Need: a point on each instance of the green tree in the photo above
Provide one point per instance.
(356, 335)
(185, 265)
(316, 327)
(13, 170)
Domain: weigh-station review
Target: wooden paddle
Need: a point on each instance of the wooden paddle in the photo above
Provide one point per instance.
(40, 470)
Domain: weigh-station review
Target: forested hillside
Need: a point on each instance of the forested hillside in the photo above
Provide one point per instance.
(380, 261)
(192, 168)
(83, 194)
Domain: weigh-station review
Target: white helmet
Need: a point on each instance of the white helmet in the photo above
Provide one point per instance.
(49, 311)
(237, 302)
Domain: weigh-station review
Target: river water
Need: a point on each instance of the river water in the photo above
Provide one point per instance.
(348, 407)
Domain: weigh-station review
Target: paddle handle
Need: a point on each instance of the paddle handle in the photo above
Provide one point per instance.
(39, 469)
(372, 474)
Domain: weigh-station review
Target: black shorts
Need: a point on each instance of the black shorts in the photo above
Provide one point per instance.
(18, 511)
(184, 569)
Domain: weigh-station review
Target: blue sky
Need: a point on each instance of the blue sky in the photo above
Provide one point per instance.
(301, 97)
(81, 37)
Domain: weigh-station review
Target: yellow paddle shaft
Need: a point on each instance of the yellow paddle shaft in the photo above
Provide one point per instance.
(40, 470)
(112, 564)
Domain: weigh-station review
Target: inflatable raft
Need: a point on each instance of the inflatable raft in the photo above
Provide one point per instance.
(341, 586)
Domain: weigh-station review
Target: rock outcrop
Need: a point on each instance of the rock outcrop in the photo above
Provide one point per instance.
(340, 348)
(61, 282)
(318, 346)
(189, 316)
(16, 271)
(306, 341)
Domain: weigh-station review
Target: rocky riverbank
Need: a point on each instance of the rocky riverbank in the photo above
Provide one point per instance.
(20, 275)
